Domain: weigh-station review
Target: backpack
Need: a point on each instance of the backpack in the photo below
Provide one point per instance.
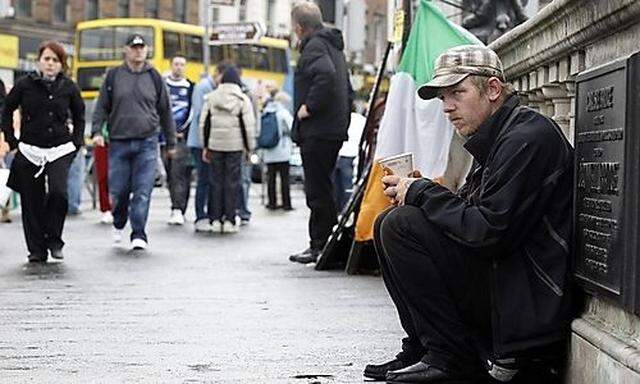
(269, 132)
(109, 81)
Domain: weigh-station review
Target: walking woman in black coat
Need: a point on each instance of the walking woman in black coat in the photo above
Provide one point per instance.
(49, 101)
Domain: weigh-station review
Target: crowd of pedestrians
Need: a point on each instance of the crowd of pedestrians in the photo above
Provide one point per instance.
(145, 124)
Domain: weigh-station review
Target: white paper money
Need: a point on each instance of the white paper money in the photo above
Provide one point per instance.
(401, 165)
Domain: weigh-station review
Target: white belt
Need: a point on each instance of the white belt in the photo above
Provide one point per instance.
(41, 156)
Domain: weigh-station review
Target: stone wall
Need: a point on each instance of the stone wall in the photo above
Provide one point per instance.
(542, 58)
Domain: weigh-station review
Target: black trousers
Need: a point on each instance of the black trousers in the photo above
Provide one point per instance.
(43, 201)
(318, 161)
(225, 182)
(439, 287)
(273, 169)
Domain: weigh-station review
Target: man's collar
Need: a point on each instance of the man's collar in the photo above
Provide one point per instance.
(481, 142)
(306, 39)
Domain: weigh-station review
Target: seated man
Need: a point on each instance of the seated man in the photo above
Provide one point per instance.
(481, 275)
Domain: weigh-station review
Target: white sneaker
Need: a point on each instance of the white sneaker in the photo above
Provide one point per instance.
(117, 236)
(106, 218)
(176, 218)
(138, 244)
(203, 225)
(216, 227)
(229, 227)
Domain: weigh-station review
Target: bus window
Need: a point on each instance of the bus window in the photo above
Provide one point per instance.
(106, 43)
(193, 45)
(91, 79)
(243, 57)
(261, 58)
(279, 60)
(215, 53)
(171, 44)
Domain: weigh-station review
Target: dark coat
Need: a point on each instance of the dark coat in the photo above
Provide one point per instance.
(45, 108)
(515, 208)
(322, 84)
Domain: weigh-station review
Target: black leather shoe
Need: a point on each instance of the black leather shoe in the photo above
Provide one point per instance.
(57, 254)
(295, 256)
(379, 371)
(33, 258)
(306, 258)
(422, 372)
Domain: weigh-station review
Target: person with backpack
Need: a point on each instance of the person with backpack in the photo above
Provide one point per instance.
(180, 165)
(134, 102)
(275, 140)
(227, 122)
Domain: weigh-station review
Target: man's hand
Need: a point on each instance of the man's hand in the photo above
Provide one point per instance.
(303, 113)
(396, 187)
(207, 155)
(4, 148)
(98, 141)
(171, 152)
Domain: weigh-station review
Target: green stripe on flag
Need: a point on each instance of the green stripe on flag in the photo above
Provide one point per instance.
(431, 34)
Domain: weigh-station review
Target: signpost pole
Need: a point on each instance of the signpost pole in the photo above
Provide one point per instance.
(207, 32)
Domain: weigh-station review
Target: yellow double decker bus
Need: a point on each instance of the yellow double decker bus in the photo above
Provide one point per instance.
(99, 46)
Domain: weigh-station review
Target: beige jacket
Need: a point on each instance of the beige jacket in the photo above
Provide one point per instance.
(224, 106)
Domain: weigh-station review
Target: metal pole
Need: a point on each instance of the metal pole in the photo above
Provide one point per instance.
(207, 32)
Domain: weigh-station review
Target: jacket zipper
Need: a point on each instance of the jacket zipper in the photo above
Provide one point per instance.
(543, 276)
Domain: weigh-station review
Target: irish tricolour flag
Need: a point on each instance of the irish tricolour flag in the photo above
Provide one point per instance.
(410, 124)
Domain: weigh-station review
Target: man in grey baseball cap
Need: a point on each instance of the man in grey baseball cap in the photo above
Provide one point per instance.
(481, 277)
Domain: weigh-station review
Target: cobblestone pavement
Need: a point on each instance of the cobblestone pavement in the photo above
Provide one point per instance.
(192, 309)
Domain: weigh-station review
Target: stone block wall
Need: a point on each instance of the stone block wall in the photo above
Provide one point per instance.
(542, 58)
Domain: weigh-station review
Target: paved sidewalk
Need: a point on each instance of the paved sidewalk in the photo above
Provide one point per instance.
(193, 309)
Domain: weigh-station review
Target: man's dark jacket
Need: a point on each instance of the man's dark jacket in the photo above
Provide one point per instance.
(515, 208)
(45, 108)
(322, 83)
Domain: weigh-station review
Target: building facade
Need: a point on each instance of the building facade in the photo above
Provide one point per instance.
(24, 24)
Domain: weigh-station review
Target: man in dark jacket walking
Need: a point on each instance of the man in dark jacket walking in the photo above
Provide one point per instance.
(482, 275)
(322, 100)
(134, 102)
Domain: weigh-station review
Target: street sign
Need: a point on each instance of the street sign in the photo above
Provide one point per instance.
(235, 33)
(223, 3)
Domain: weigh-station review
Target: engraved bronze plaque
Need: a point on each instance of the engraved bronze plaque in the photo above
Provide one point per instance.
(601, 135)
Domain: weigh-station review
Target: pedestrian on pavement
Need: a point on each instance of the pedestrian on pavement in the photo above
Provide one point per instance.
(242, 210)
(5, 156)
(227, 122)
(75, 183)
(343, 172)
(134, 102)
(322, 101)
(180, 165)
(481, 275)
(277, 157)
(46, 98)
(101, 169)
(202, 199)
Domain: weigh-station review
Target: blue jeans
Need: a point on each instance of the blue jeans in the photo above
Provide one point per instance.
(202, 185)
(242, 200)
(75, 182)
(132, 167)
(343, 181)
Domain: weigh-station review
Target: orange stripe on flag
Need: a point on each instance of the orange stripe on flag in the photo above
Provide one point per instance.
(373, 203)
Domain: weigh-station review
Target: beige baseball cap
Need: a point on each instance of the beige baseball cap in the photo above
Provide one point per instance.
(457, 63)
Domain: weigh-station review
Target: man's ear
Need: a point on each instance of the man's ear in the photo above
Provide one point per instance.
(494, 89)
